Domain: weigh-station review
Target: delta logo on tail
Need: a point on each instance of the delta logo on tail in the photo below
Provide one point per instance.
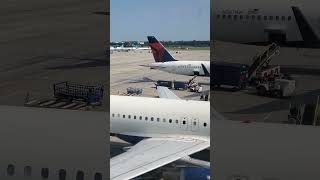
(159, 52)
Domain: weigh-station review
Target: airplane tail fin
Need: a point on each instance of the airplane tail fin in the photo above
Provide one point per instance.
(306, 30)
(205, 70)
(159, 52)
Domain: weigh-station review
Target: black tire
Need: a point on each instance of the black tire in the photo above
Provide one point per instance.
(262, 91)
(243, 86)
(277, 93)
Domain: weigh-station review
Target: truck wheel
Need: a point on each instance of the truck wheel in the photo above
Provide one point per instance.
(241, 86)
(262, 91)
(277, 93)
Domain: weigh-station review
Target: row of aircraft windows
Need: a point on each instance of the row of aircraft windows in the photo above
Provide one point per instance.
(190, 67)
(45, 173)
(154, 119)
(253, 17)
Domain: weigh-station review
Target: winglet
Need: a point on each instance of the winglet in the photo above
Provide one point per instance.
(164, 92)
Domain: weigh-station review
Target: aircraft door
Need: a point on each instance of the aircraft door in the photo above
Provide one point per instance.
(184, 122)
(276, 36)
(194, 124)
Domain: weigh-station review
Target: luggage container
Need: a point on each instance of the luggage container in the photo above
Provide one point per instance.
(180, 85)
(167, 84)
(73, 91)
(229, 74)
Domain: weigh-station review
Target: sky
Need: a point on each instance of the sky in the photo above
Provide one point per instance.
(134, 20)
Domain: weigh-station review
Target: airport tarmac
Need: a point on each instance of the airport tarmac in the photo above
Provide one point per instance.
(302, 64)
(126, 71)
(47, 42)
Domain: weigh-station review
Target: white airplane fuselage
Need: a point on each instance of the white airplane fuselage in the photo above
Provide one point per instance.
(129, 48)
(155, 117)
(264, 21)
(189, 68)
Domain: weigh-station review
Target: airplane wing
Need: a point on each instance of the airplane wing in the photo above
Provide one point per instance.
(152, 153)
(164, 92)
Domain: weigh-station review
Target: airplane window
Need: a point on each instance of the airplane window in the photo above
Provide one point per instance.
(289, 18)
(118, 115)
(259, 17)
(194, 123)
(277, 18)
(45, 173)
(80, 175)
(204, 124)
(183, 122)
(10, 170)
(134, 117)
(112, 115)
(247, 16)
(97, 176)
(170, 120)
(283, 18)
(265, 18)
(62, 174)
(151, 118)
(146, 118)
(223, 16)
(129, 116)
(27, 171)
(270, 17)
(140, 117)
(235, 17)
(177, 121)
(241, 17)
(124, 116)
(239, 178)
(164, 119)
(158, 119)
